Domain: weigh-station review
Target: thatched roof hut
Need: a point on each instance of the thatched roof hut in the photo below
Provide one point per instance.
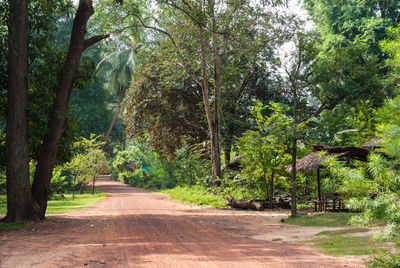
(312, 161)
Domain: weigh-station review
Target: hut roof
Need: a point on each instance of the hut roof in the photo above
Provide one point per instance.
(352, 151)
(312, 161)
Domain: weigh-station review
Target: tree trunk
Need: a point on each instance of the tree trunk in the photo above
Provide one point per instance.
(217, 94)
(271, 196)
(121, 97)
(227, 152)
(294, 152)
(266, 186)
(20, 205)
(294, 176)
(48, 150)
(205, 89)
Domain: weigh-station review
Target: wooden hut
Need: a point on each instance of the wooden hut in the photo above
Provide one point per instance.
(314, 160)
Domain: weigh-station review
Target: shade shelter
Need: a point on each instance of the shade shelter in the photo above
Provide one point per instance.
(315, 159)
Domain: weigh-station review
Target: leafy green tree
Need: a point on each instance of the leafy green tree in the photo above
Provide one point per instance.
(264, 151)
(298, 87)
(89, 164)
(348, 66)
(204, 58)
(165, 114)
(117, 69)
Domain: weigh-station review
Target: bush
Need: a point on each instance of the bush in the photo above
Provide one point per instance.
(61, 182)
(196, 195)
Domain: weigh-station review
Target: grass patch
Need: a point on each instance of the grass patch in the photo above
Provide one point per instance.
(305, 206)
(5, 225)
(342, 245)
(68, 203)
(344, 231)
(195, 195)
(333, 219)
(65, 204)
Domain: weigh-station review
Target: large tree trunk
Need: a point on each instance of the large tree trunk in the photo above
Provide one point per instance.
(20, 205)
(121, 97)
(48, 150)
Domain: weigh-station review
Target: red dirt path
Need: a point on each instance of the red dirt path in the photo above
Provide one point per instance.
(137, 228)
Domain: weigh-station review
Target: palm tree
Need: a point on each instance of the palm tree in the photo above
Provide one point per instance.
(117, 69)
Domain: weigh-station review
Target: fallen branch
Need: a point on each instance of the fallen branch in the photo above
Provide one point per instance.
(244, 204)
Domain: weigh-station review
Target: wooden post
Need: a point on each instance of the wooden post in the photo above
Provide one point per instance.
(319, 188)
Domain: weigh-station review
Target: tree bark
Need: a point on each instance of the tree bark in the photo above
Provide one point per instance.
(271, 196)
(266, 186)
(227, 151)
(121, 97)
(294, 176)
(20, 205)
(48, 150)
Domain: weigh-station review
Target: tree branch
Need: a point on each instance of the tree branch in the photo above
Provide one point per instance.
(199, 23)
(182, 63)
(93, 40)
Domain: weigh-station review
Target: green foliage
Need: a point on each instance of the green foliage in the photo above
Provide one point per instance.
(263, 152)
(196, 195)
(348, 64)
(375, 187)
(155, 172)
(90, 163)
(385, 260)
(349, 182)
(166, 113)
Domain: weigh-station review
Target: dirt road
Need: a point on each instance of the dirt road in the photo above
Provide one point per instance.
(137, 228)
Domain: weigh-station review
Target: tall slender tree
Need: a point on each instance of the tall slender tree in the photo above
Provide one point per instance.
(20, 205)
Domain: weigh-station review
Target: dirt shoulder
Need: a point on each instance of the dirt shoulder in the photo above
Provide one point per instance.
(137, 228)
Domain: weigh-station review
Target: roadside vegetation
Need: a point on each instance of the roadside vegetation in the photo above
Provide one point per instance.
(195, 195)
(65, 203)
